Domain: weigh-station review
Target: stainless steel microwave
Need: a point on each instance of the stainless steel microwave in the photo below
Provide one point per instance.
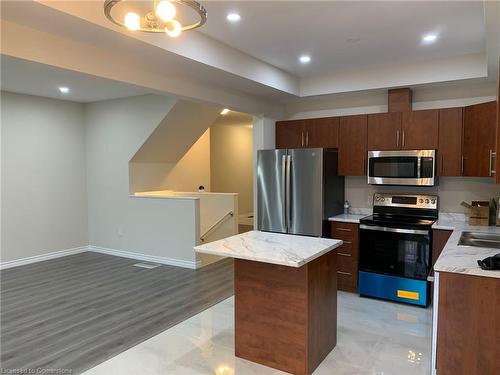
(404, 167)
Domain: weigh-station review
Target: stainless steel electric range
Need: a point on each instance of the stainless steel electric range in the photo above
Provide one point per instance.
(395, 248)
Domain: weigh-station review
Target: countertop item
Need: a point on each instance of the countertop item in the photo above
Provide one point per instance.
(275, 248)
(350, 218)
(463, 259)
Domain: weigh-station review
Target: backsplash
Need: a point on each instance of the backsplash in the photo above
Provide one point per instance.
(451, 191)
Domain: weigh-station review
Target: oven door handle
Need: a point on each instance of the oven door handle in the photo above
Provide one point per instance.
(395, 230)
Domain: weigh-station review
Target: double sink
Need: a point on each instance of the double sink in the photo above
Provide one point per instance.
(480, 239)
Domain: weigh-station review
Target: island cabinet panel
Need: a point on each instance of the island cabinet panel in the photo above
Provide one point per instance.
(384, 131)
(286, 317)
(352, 145)
(290, 134)
(347, 255)
(323, 132)
(479, 139)
(468, 328)
(420, 130)
(449, 158)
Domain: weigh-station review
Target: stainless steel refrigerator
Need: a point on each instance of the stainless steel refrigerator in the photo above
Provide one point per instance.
(297, 190)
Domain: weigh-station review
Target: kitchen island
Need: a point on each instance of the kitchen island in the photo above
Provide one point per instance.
(285, 289)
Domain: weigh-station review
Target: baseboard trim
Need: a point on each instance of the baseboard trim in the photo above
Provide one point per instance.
(147, 258)
(43, 257)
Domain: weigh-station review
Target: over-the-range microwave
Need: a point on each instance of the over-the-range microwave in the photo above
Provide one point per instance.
(403, 167)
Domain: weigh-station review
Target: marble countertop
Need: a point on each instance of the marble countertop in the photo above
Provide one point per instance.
(463, 259)
(276, 248)
(350, 218)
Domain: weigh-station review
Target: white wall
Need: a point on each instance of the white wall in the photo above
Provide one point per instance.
(44, 196)
(231, 162)
(191, 171)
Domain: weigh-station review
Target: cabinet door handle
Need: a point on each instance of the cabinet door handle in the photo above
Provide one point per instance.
(302, 139)
(462, 168)
(492, 156)
(344, 229)
(344, 254)
(347, 242)
(307, 138)
(403, 141)
(344, 273)
(397, 138)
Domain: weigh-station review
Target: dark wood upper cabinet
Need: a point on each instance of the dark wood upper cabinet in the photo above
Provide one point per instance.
(384, 131)
(290, 134)
(323, 132)
(399, 100)
(479, 143)
(352, 145)
(420, 130)
(449, 158)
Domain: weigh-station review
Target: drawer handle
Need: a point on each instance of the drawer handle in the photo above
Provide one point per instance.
(344, 273)
(344, 229)
(347, 242)
(344, 254)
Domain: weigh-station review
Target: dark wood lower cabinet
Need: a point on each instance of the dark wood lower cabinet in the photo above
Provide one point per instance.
(439, 239)
(347, 255)
(468, 340)
(286, 317)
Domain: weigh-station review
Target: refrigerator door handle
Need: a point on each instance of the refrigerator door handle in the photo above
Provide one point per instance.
(288, 193)
(284, 188)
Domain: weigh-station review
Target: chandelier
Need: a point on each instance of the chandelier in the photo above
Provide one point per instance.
(170, 17)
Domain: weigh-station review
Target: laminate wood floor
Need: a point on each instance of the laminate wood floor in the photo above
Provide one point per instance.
(78, 311)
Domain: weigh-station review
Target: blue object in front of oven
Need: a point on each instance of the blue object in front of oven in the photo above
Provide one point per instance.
(377, 285)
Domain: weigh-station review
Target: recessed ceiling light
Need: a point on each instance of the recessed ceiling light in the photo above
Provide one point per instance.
(233, 17)
(429, 38)
(63, 89)
(225, 111)
(305, 59)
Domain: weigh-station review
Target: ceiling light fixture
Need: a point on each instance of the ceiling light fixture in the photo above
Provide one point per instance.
(233, 17)
(305, 59)
(64, 90)
(429, 38)
(225, 111)
(159, 18)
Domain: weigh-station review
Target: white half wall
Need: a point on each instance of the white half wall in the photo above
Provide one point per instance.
(44, 194)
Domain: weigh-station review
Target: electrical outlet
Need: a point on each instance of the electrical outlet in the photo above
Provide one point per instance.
(369, 200)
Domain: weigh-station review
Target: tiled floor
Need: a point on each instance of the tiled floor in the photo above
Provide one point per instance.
(374, 337)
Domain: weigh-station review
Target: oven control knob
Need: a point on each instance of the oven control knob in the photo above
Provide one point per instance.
(377, 198)
(427, 201)
(382, 199)
(433, 201)
(420, 200)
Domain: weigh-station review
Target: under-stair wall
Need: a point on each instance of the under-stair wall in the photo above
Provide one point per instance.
(116, 133)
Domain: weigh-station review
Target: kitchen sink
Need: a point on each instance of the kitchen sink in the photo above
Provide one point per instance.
(480, 239)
